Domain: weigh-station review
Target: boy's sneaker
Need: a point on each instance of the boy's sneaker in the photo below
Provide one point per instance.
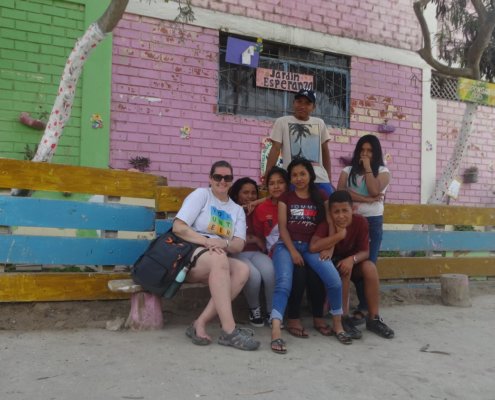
(255, 317)
(379, 327)
(350, 329)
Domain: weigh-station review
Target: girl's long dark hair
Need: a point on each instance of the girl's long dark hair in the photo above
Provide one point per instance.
(314, 192)
(237, 186)
(376, 160)
(277, 170)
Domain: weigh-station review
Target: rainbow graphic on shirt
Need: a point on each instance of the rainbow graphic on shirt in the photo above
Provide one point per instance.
(221, 223)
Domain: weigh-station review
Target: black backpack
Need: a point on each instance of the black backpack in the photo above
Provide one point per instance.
(162, 261)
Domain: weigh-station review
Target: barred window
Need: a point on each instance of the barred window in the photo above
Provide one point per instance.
(239, 95)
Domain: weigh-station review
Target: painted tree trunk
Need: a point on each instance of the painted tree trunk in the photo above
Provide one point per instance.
(452, 169)
(66, 91)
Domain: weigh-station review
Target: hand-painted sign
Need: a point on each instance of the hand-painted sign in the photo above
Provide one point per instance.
(242, 52)
(476, 91)
(281, 80)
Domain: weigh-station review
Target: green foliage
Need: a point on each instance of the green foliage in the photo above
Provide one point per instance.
(467, 228)
(29, 152)
(140, 163)
(458, 26)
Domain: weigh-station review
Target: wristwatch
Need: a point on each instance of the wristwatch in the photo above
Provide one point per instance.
(354, 258)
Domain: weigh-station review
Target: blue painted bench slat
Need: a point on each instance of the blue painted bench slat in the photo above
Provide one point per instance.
(438, 241)
(21, 249)
(163, 225)
(20, 211)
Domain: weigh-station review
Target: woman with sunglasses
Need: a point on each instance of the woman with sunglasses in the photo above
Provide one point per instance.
(244, 191)
(210, 219)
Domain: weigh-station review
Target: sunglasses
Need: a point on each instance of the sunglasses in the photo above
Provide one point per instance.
(226, 178)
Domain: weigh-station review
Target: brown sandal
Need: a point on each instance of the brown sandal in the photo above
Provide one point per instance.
(325, 330)
(297, 332)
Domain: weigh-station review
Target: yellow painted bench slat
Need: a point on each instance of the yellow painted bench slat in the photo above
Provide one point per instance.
(438, 215)
(67, 178)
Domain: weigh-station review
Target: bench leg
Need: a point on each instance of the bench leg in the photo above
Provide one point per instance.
(146, 312)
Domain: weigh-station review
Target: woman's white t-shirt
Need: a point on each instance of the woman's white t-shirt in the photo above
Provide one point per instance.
(211, 217)
(374, 209)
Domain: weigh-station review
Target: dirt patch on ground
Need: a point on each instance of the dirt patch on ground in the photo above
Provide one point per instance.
(95, 314)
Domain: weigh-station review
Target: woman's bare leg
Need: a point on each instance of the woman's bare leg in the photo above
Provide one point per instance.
(226, 278)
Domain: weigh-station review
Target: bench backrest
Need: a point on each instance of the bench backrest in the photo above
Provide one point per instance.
(19, 216)
(430, 245)
(23, 247)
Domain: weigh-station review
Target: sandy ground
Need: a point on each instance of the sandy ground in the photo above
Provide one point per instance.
(93, 363)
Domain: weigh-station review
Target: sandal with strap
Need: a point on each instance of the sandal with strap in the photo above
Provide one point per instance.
(197, 340)
(343, 337)
(278, 346)
(297, 332)
(325, 330)
(240, 339)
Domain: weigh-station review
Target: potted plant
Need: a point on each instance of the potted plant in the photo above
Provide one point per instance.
(470, 175)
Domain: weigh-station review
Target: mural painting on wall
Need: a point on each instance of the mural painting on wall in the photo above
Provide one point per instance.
(476, 91)
(185, 132)
(96, 121)
(266, 145)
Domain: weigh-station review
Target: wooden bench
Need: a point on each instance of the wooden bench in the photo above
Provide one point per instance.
(52, 230)
(115, 248)
(439, 249)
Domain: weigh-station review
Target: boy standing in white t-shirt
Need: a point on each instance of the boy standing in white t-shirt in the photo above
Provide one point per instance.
(302, 136)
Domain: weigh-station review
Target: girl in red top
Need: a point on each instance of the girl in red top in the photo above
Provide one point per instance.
(243, 192)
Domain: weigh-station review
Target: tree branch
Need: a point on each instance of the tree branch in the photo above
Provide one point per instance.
(480, 42)
(426, 52)
(480, 9)
(112, 15)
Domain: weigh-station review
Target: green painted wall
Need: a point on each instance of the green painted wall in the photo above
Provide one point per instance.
(36, 37)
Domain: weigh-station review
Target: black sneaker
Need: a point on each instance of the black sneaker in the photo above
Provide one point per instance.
(350, 329)
(255, 317)
(379, 327)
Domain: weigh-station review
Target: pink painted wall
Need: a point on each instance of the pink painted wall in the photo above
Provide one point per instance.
(480, 153)
(382, 91)
(388, 22)
(160, 85)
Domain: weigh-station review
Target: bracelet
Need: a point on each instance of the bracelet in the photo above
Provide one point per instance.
(227, 240)
(354, 259)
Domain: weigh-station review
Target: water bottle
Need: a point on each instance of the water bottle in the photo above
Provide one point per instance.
(175, 285)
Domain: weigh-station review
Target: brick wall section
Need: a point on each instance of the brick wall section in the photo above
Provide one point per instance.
(160, 85)
(35, 40)
(480, 153)
(388, 22)
(383, 91)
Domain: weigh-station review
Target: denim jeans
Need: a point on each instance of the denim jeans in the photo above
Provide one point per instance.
(375, 228)
(284, 267)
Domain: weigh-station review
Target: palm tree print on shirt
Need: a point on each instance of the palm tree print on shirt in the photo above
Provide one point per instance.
(305, 141)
